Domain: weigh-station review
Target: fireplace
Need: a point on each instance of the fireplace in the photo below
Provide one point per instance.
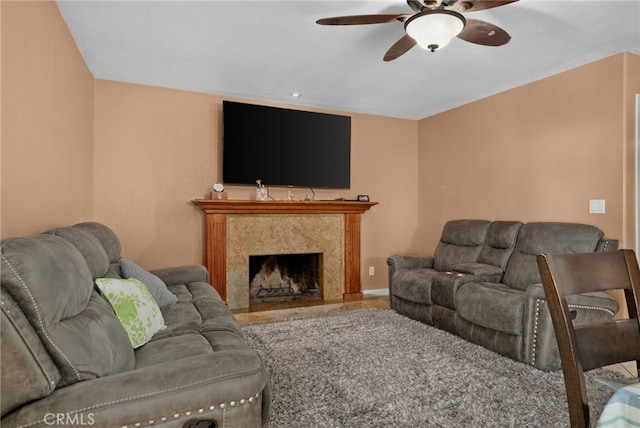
(249, 235)
(284, 278)
(236, 229)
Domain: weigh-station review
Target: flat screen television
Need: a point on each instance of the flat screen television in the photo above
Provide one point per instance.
(284, 147)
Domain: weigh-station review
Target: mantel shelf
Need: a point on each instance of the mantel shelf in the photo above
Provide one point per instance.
(230, 206)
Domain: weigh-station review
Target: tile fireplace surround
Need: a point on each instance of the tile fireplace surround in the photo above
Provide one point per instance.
(236, 229)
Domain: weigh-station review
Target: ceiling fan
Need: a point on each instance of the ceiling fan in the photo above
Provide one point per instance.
(434, 24)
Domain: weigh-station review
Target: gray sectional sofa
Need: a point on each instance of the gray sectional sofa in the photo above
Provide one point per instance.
(482, 283)
(68, 360)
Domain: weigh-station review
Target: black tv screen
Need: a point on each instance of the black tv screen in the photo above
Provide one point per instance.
(284, 147)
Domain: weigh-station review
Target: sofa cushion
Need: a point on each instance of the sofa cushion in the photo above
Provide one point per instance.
(172, 348)
(106, 236)
(444, 287)
(50, 281)
(110, 243)
(134, 306)
(461, 242)
(166, 349)
(156, 286)
(89, 246)
(501, 240)
(542, 238)
(199, 309)
(491, 305)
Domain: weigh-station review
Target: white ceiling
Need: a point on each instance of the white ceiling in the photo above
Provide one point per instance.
(267, 49)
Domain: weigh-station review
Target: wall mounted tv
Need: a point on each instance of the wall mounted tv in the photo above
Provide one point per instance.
(284, 147)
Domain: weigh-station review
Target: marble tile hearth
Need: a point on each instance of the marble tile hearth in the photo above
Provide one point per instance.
(266, 234)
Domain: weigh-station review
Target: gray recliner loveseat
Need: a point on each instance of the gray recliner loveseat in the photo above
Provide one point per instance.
(483, 284)
(68, 360)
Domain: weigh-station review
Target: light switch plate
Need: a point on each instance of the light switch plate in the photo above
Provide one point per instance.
(596, 206)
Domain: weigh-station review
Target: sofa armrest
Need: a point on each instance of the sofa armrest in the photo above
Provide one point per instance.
(540, 348)
(606, 244)
(225, 385)
(405, 262)
(182, 274)
(409, 262)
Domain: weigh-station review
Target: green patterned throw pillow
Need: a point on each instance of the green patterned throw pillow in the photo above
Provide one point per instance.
(134, 306)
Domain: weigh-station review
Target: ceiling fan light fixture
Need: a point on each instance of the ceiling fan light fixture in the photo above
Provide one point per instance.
(433, 29)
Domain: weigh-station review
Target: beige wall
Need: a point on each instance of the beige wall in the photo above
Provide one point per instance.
(154, 151)
(158, 149)
(537, 152)
(47, 122)
(631, 125)
(133, 156)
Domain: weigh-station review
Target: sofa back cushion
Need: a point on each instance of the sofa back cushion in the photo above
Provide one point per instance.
(110, 243)
(501, 240)
(461, 242)
(542, 238)
(50, 280)
(88, 245)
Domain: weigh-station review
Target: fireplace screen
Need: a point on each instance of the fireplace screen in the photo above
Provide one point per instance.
(284, 277)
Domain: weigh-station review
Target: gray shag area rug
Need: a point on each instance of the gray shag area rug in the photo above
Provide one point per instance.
(378, 368)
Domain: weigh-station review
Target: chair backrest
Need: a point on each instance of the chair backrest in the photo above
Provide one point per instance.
(587, 346)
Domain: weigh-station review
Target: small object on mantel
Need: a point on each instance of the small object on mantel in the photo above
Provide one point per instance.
(262, 193)
(218, 192)
(219, 195)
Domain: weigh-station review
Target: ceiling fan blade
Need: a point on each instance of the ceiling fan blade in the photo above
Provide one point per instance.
(484, 33)
(399, 48)
(473, 5)
(362, 19)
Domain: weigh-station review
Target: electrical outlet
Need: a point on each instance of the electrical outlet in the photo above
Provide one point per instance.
(372, 270)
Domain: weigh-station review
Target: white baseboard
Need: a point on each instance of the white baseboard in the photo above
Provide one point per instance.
(376, 292)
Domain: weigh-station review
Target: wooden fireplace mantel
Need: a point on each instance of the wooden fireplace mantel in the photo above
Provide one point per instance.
(230, 206)
(216, 212)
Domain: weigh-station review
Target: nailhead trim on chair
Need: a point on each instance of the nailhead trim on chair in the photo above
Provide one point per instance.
(222, 406)
(595, 308)
(535, 323)
(535, 332)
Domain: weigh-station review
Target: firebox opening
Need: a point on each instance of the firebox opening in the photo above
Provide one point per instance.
(284, 277)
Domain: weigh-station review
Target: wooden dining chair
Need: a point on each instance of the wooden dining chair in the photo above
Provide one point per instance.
(588, 346)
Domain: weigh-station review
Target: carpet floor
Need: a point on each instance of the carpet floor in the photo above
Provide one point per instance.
(378, 368)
